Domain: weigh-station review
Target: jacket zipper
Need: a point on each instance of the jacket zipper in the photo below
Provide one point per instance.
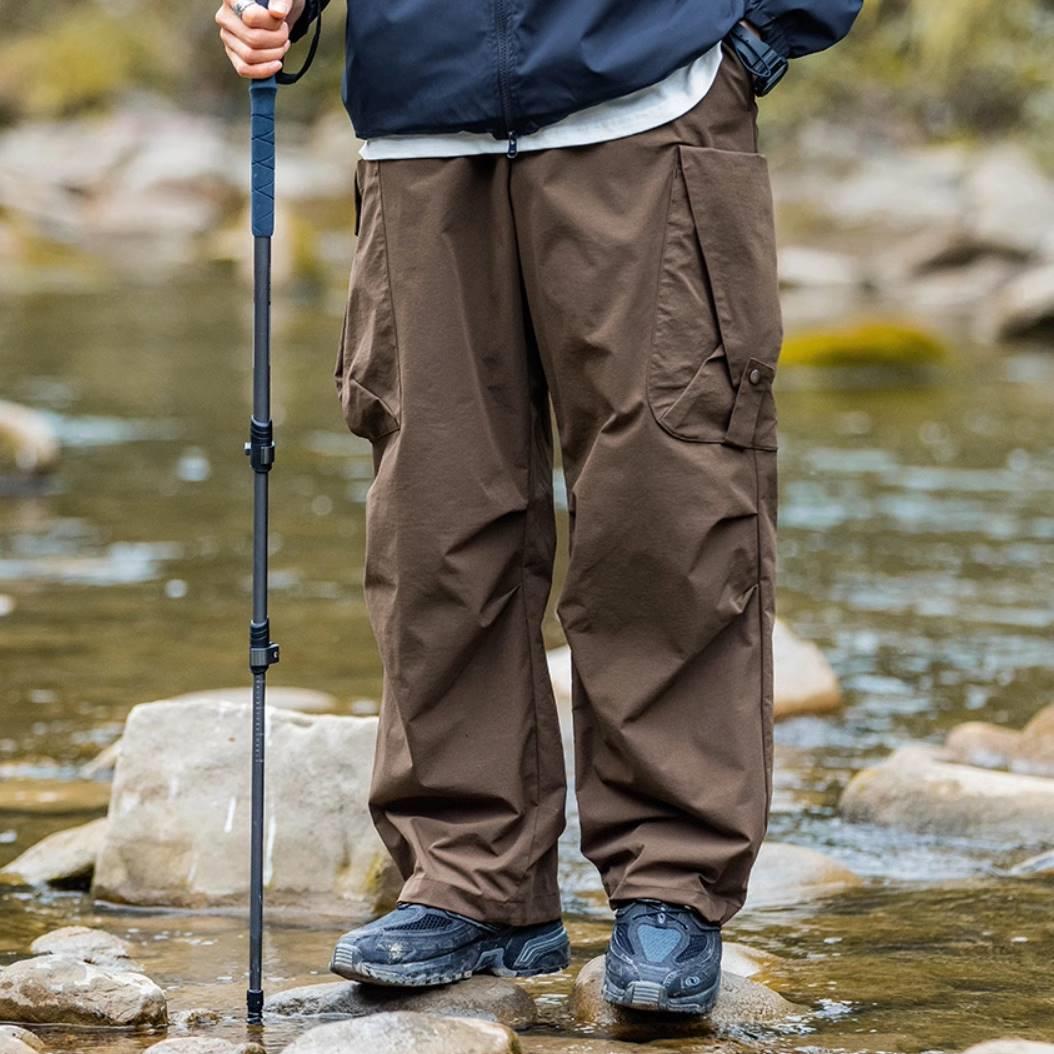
(501, 26)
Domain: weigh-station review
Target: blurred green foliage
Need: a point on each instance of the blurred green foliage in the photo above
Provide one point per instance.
(937, 68)
(66, 57)
(942, 68)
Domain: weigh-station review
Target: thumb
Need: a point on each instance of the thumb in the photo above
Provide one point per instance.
(279, 8)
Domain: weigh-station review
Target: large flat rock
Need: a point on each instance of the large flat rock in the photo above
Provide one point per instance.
(492, 998)
(61, 990)
(404, 1032)
(742, 1003)
(178, 830)
(915, 791)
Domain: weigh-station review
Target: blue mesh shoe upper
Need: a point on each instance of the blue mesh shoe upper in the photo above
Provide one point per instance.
(665, 949)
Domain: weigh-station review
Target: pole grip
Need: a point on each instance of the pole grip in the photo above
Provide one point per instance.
(262, 95)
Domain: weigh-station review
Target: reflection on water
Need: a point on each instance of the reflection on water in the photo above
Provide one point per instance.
(916, 533)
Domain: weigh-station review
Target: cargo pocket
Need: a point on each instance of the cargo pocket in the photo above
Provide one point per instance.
(367, 367)
(717, 327)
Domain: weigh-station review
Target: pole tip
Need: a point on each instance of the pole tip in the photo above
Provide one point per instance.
(254, 1000)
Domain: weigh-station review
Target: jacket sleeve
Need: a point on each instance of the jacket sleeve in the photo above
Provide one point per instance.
(312, 10)
(800, 27)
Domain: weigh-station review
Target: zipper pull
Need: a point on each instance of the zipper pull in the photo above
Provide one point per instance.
(512, 151)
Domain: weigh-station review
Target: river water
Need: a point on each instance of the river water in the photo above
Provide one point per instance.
(917, 548)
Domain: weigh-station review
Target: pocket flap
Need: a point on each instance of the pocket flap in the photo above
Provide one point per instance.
(731, 202)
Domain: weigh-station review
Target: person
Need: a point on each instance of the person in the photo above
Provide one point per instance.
(561, 203)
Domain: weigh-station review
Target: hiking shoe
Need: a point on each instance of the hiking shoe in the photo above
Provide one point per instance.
(662, 957)
(417, 945)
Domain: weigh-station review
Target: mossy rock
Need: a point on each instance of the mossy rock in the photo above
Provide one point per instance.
(889, 344)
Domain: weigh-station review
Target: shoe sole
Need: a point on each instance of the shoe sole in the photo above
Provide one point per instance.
(447, 970)
(651, 996)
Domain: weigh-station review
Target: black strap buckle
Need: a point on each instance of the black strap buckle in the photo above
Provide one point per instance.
(766, 65)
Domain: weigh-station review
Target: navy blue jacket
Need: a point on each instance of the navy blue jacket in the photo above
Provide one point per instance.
(510, 66)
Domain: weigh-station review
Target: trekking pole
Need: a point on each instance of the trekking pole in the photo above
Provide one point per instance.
(263, 652)
(261, 450)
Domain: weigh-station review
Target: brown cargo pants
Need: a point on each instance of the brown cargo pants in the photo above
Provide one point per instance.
(633, 284)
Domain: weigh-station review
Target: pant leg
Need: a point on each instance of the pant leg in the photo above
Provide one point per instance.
(439, 370)
(649, 264)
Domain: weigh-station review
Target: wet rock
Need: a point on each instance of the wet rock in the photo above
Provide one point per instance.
(53, 797)
(789, 874)
(61, 857)
(1041, 864)
(1029, 751)
(57, 989)
(906, 189)
(1023, 309)
(960, 289)
(1018, 220)
(484, 997)
(87, 944)
(1011, 1046)
(30, 434)
(102, 765)
(744, 961)
(203, 1045)
(916, 791)
(15, 1040)
(943, 249)
(804, 680)
(801, 266)
(742, 1003)
(401, 1032)
(307, 700)
(179, 818)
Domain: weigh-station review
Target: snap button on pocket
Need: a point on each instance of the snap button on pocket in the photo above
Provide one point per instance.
(755, 376)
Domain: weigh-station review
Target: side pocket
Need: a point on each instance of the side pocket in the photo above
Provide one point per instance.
(718, 328)
(367, 367)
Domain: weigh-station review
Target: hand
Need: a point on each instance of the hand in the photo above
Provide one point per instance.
(257, 41)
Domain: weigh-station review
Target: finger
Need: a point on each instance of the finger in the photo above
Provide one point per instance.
(259, 17)
(251, 71)
(253, 56)
(257, 39)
